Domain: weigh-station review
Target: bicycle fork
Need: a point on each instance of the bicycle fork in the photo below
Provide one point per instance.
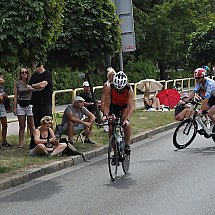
(186, 131)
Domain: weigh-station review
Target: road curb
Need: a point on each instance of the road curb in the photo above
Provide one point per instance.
(71, 161)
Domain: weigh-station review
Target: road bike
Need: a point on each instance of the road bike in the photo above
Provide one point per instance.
(187, 130)
(116, 148)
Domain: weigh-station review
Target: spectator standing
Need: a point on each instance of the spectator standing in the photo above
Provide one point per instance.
(110, 74)
(43, 141)
(22, 103)
(3, 116)
(41, 99)
(87, 96)
(76, 118)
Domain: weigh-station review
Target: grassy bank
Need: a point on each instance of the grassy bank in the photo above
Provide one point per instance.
(13, 160)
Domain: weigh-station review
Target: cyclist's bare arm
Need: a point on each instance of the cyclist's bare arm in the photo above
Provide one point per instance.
(204, 104)
(107, 94)
(130, 104)
(191, 96)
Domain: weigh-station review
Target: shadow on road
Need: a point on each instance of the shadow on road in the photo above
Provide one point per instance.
(122, 182)
(203, 151)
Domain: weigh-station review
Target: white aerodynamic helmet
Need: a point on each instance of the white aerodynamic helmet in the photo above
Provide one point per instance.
(120, 80)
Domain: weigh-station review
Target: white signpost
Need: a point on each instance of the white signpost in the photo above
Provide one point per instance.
(125, 12)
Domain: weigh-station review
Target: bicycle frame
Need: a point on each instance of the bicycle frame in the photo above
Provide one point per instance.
(116, 148)
(117, 130)
(186, 131)
(198, 119)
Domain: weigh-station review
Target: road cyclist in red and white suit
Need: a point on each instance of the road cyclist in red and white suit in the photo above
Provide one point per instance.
(120, 99)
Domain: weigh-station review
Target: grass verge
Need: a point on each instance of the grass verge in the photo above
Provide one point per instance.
(14, 160)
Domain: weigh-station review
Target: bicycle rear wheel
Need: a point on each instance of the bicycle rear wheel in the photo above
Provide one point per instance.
(113, 159)
(185, 133)
(126, 161)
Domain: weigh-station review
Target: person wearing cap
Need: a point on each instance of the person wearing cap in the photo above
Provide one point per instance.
(182, 110)
(41, 99)
(77, 118)
(86, 95)
(204, 87)
(43, 141)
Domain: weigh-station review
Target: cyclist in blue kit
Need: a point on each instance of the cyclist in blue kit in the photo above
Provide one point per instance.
(205, 87)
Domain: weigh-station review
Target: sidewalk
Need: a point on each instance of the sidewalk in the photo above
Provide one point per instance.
(13, 127)
(71, 161)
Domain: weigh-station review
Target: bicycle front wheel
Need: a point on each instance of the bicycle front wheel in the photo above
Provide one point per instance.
(126, 162)
(185, 133)
(113, 159)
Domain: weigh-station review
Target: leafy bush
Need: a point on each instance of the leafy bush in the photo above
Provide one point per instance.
(139, 70)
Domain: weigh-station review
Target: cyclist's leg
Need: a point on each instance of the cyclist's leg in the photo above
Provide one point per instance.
(211, 111)
(127, 131)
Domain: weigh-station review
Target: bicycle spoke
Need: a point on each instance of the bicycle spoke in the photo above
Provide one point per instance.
(113, 161)
(126, 163)
(184, 134)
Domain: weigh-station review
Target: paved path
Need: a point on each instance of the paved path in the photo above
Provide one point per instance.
(13, 128)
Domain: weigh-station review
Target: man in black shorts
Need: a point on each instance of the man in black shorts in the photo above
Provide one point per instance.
(120, 99)
(42, 98)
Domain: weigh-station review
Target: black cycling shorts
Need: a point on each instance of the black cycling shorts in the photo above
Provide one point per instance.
(211, 101)
(116, 109)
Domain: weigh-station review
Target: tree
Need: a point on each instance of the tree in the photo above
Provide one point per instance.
(91, 30)
(28, 29)
(202, 47)
(169, 28)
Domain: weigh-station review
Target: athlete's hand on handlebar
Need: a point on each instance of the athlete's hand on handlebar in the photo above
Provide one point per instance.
(125, 122)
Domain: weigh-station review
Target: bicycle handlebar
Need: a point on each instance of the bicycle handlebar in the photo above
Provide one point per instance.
(193, 102)
(112, 120)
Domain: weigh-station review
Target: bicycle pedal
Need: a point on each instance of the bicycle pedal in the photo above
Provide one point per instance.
(207, 135)
(212, 135)
(201, 132)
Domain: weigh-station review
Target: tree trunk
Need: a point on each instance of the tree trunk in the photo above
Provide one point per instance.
(162, 68)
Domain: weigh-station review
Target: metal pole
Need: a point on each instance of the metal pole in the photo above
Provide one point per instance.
(120, 60)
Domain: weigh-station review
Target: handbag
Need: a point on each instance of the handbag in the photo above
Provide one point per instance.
(70, 149)
(7, 104)
(24, 103)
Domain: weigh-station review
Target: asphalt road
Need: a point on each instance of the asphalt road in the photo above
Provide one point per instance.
(162, 181)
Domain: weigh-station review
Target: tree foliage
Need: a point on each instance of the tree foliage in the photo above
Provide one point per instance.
(91, 30)
(28, 29)
(202, 47)
(169, 28)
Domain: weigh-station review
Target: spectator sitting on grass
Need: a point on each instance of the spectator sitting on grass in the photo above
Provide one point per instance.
(43, 141)
(182, 110)
(151, 103)
(74, 120)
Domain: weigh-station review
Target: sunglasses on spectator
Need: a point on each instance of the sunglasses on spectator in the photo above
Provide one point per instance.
(47, 120)
(24, 72)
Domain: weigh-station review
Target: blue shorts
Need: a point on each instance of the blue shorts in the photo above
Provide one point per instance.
(77, 129)
(2, 111)
(24, 111)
